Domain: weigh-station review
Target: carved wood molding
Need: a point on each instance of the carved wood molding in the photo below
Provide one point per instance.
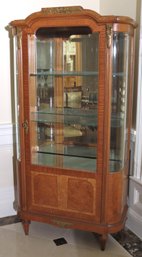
(69, 11)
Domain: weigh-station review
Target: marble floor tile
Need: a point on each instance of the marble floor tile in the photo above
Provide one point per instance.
(130, 242)
(40, 243)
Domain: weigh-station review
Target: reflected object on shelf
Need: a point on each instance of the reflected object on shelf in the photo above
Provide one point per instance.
(67, 131)
(89, 100)
(92, 97)
(72, 97)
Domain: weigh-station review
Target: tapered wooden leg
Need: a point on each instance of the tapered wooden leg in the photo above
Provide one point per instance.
(103, 239)
(26, 224)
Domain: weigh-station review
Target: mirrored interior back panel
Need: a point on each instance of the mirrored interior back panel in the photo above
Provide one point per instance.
(64, 97)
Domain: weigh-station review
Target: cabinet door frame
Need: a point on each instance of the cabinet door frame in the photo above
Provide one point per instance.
(102, 105)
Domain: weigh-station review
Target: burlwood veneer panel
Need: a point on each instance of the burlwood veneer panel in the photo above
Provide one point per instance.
(80, 195)
(65, 193)
(44, 190)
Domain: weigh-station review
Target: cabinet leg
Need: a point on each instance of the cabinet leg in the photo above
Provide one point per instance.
(103, 239)
(26, 224)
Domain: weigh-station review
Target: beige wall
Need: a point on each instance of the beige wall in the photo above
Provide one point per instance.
(122, 8)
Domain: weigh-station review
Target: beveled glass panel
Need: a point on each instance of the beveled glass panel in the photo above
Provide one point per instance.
(64, 109)
(119, 114)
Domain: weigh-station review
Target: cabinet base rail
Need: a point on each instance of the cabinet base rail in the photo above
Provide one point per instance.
(100, 231)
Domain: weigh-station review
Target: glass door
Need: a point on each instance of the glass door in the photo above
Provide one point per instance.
(64, 97)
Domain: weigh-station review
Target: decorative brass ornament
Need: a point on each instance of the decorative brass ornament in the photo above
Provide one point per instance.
(25, 125)
(62, 224)
(18, 32)
(11, 31)
(62, 10)
(109, 34)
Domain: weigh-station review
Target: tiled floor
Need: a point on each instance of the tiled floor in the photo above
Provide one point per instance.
(41, 243)
(130, 242)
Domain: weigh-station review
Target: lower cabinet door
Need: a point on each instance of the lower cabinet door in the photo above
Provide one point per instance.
(64, 195)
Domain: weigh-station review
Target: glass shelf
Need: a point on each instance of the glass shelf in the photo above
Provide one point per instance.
(65, 73)
(72, 73)
(66, 116)
(68, 150)
(73, 116)
(72, 157)
(68, 162)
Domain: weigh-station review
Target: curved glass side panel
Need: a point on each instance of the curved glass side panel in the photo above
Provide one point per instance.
(63, 98)
(15, 96)
(120, 89)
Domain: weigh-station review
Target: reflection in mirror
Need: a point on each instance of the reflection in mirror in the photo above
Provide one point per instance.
(66, 89)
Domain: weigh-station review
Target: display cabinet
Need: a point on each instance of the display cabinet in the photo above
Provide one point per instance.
(73, 99)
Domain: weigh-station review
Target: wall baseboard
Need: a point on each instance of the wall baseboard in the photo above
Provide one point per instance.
(134, 221)
(6, 171)
(6, 134)
(7, 202)
(9, 220)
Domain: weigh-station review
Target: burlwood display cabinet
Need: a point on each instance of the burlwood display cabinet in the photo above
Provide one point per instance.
(73, 98)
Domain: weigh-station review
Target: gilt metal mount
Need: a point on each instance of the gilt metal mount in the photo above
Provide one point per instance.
(25, 125)
(109, 31)
(62, 10)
